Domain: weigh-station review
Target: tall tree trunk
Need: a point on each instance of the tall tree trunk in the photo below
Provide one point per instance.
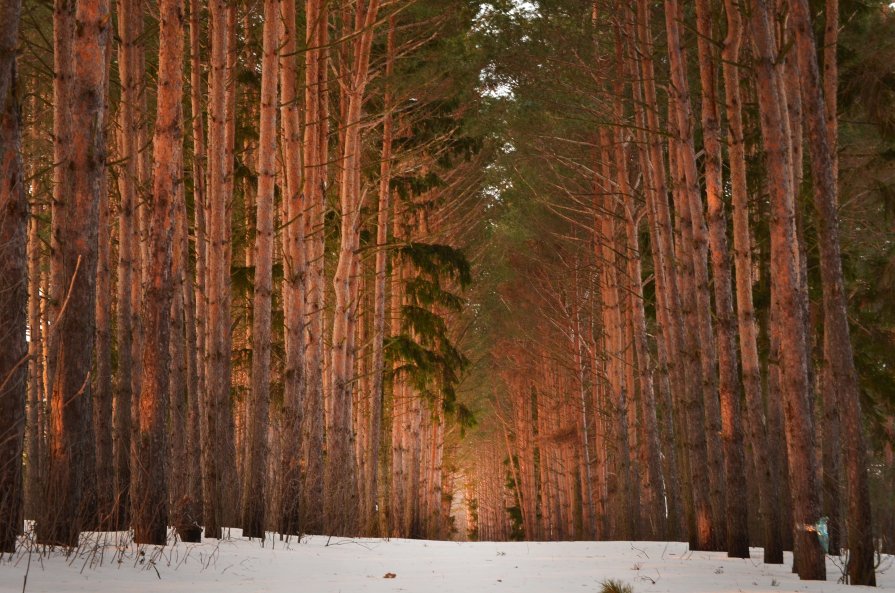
(840, 377)
(197, 328)
(150, 477)
(295, 272)
(748, 331)
(128, 296)
(102, 383)
(382, 224)
(185, 444)
(613, 328)
(143, 202)
(791, 104)
(103, 393)
(70, 472)
(178, 456)
(315, 179)
(244, 204)
(217, 378)
(228, 428)
(189, 509)
(786, 316)
(888, 522)
(143, 180)
(13, 285)
(253, 509)
(63, 32)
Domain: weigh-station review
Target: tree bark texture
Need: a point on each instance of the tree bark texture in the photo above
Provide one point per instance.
(295, 276)
(253, 509)
(217, 376)
(70, 502)
(150, 479)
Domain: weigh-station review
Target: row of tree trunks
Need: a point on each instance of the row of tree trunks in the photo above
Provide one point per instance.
(575, 472)
(691, 227)
(674, 453)
(746, 322)
(13, 285)
(681, 367)
(189, 396)
(688, 186)
(786, 317)
(737, 543)
(172, 324)
(840, 377)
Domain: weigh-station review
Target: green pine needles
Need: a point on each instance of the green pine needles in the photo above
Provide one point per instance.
(428, 357)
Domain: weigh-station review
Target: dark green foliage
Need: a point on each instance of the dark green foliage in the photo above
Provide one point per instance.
(427, 293)
(408, 186)
(867, 198)
(472, 507)
(437, 261)
(430, 359)
(866, 54)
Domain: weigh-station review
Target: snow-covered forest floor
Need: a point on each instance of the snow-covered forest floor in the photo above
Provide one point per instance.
(330, 565)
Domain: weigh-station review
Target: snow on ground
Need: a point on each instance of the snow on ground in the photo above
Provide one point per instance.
(322, 565)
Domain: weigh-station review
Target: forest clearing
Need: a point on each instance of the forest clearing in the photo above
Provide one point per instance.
(443, 281)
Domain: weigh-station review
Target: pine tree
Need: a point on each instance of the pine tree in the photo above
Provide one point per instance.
(70, 502)
(253, 509)
(150, 479)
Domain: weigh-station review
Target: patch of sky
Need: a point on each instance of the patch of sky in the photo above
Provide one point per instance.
(487, 22)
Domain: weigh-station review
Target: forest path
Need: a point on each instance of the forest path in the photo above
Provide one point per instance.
(324, 565)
